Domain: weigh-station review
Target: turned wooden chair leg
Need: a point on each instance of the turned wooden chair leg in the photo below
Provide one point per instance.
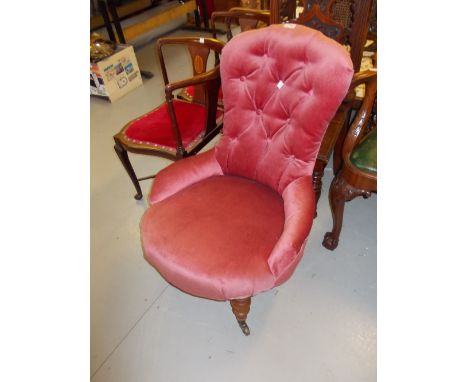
(340, 192)
(241, 308)
(317, 176)
(123, 156)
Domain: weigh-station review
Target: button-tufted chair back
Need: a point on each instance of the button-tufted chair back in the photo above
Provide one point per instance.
(282, 85)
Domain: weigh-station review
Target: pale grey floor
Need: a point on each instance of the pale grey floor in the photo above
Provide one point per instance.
(318, 326)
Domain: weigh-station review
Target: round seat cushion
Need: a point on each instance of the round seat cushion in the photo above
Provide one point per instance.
(213, 238)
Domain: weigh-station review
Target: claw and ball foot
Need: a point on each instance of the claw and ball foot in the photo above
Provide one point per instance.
(241, 308)
(329, 241)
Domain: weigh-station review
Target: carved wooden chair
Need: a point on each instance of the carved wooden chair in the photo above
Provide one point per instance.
(358, 175)
(345, 21)
(247, 19)
(232, 222)
(176, 128)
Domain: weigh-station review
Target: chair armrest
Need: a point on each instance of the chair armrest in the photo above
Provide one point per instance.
(211, 43)
(362, 77)
(182, 174)
(196, 80)
(358, 79)
(363, 115)
(299, 210)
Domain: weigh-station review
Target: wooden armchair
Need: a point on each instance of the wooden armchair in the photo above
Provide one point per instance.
(358, 175)
(176, 128)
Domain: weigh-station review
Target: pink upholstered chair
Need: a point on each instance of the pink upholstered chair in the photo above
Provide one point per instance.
(232, 222)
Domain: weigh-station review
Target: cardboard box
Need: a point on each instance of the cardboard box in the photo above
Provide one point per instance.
(116, 75)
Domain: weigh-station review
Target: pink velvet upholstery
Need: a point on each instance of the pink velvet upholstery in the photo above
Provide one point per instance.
(233, 222)
(181, 174)
(220, 254)
(273, 134)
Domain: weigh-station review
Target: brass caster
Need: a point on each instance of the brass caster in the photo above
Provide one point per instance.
(244, 327)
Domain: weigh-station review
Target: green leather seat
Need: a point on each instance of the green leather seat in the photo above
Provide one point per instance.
(364, 156)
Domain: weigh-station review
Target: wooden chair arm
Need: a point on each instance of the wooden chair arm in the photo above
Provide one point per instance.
(209, 42)
(213, 81)
(196, 80)
(357, 129)
(362, 77)
(358, 79)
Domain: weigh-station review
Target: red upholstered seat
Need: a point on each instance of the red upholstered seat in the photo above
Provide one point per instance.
(233, 221)
(154, 128)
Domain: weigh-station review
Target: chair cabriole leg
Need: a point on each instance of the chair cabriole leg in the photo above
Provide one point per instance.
(340, 192)
(241, 308)
(123, 156)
